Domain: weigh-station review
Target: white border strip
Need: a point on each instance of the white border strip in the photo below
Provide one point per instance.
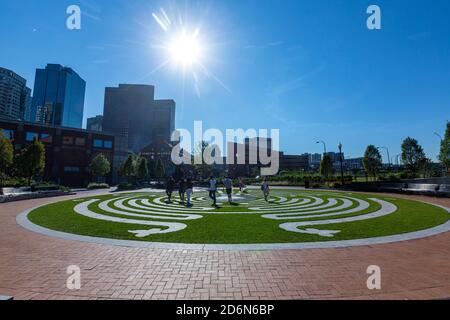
(22, 220)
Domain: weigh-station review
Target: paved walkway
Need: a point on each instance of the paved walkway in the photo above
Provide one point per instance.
(33, 266)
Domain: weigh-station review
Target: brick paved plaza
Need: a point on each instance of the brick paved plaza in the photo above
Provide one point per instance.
(33, 266)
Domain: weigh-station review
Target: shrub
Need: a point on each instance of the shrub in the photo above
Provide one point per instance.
(42, 188)
(337, 185)
(13, 182)
(94, 186)
(126, 186)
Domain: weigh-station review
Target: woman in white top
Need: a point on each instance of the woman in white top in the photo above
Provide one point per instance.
(229, 188)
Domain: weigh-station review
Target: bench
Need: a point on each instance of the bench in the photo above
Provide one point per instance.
(444, 190)
(392, 187)
(422, 189)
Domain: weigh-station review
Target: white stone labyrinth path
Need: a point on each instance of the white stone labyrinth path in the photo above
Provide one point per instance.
(149, 213)
(299, 211)
(316, 210)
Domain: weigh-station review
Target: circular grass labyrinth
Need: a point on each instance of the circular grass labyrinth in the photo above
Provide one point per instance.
(289, 217)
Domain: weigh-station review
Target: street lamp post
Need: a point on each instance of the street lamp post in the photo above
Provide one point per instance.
(324, 146)
(341, 160)
(397, 159)
(439, 136)
(389, 158)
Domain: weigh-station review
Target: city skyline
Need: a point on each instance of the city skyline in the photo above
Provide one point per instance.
(359, 93)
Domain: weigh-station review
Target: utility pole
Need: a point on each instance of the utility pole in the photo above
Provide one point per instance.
(341, 160)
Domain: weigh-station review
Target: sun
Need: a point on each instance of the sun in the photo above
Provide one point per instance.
(185, 49)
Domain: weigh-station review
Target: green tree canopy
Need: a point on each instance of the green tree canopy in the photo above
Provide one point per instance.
(203, 170)
(412, 155)
(425, 167)
(444, 155)
(160, 171)
(128, 168)
(142, 168)
(100, 165)
(326, 166)
(372, 161)
(30, 161)
(151, 164)
(6, 154)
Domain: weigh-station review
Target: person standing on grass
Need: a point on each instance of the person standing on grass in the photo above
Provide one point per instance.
(182, 190)
(189, 191)
(228, 184)
(265, 189)
(169, 188)
(213, 190)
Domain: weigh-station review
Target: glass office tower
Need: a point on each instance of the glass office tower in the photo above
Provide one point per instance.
(58, 97)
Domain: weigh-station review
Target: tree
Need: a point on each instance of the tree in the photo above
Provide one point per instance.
(412, 155)
(425, 166)
(444, 155)
(203, 170)
(159, 169)
(151, 164)
(30, 161)
(6, 155)
(128, 168)
(142, 168)
(326, 166)
(372, 161)
(100, 165)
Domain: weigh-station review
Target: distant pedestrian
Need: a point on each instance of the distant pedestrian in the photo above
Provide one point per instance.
(307, 184)
(182, 190)
(265, 189)
(169, 188)
(228, 184)
(241, 185)
(213, 190)
(189, 191)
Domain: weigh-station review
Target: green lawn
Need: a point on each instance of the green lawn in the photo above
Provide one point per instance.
(226, 228)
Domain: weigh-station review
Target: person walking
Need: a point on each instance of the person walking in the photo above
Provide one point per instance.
(265, 189)
(189, 191)
(241, 185)
(213, 190)
(228, 184)
(182, 190)
(169, 188)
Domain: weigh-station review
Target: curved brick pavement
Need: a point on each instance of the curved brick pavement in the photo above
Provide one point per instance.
(33, 266)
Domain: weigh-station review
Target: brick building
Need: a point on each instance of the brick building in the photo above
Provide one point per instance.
(68, 151)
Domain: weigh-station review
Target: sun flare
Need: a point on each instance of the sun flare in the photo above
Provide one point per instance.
(185, 49)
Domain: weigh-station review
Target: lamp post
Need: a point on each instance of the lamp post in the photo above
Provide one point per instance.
(389, 158)
(439, 136)
(340, 159)
(397, 159)
(324, 146)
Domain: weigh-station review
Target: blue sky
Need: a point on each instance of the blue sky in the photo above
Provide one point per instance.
(310, 68)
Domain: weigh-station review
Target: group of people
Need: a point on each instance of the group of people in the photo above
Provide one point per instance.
(186, 189)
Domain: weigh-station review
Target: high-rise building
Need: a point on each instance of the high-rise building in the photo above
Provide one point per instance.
(58, 97)
(95, 123)
(314, 160)
(136, 119)
(15, 96)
